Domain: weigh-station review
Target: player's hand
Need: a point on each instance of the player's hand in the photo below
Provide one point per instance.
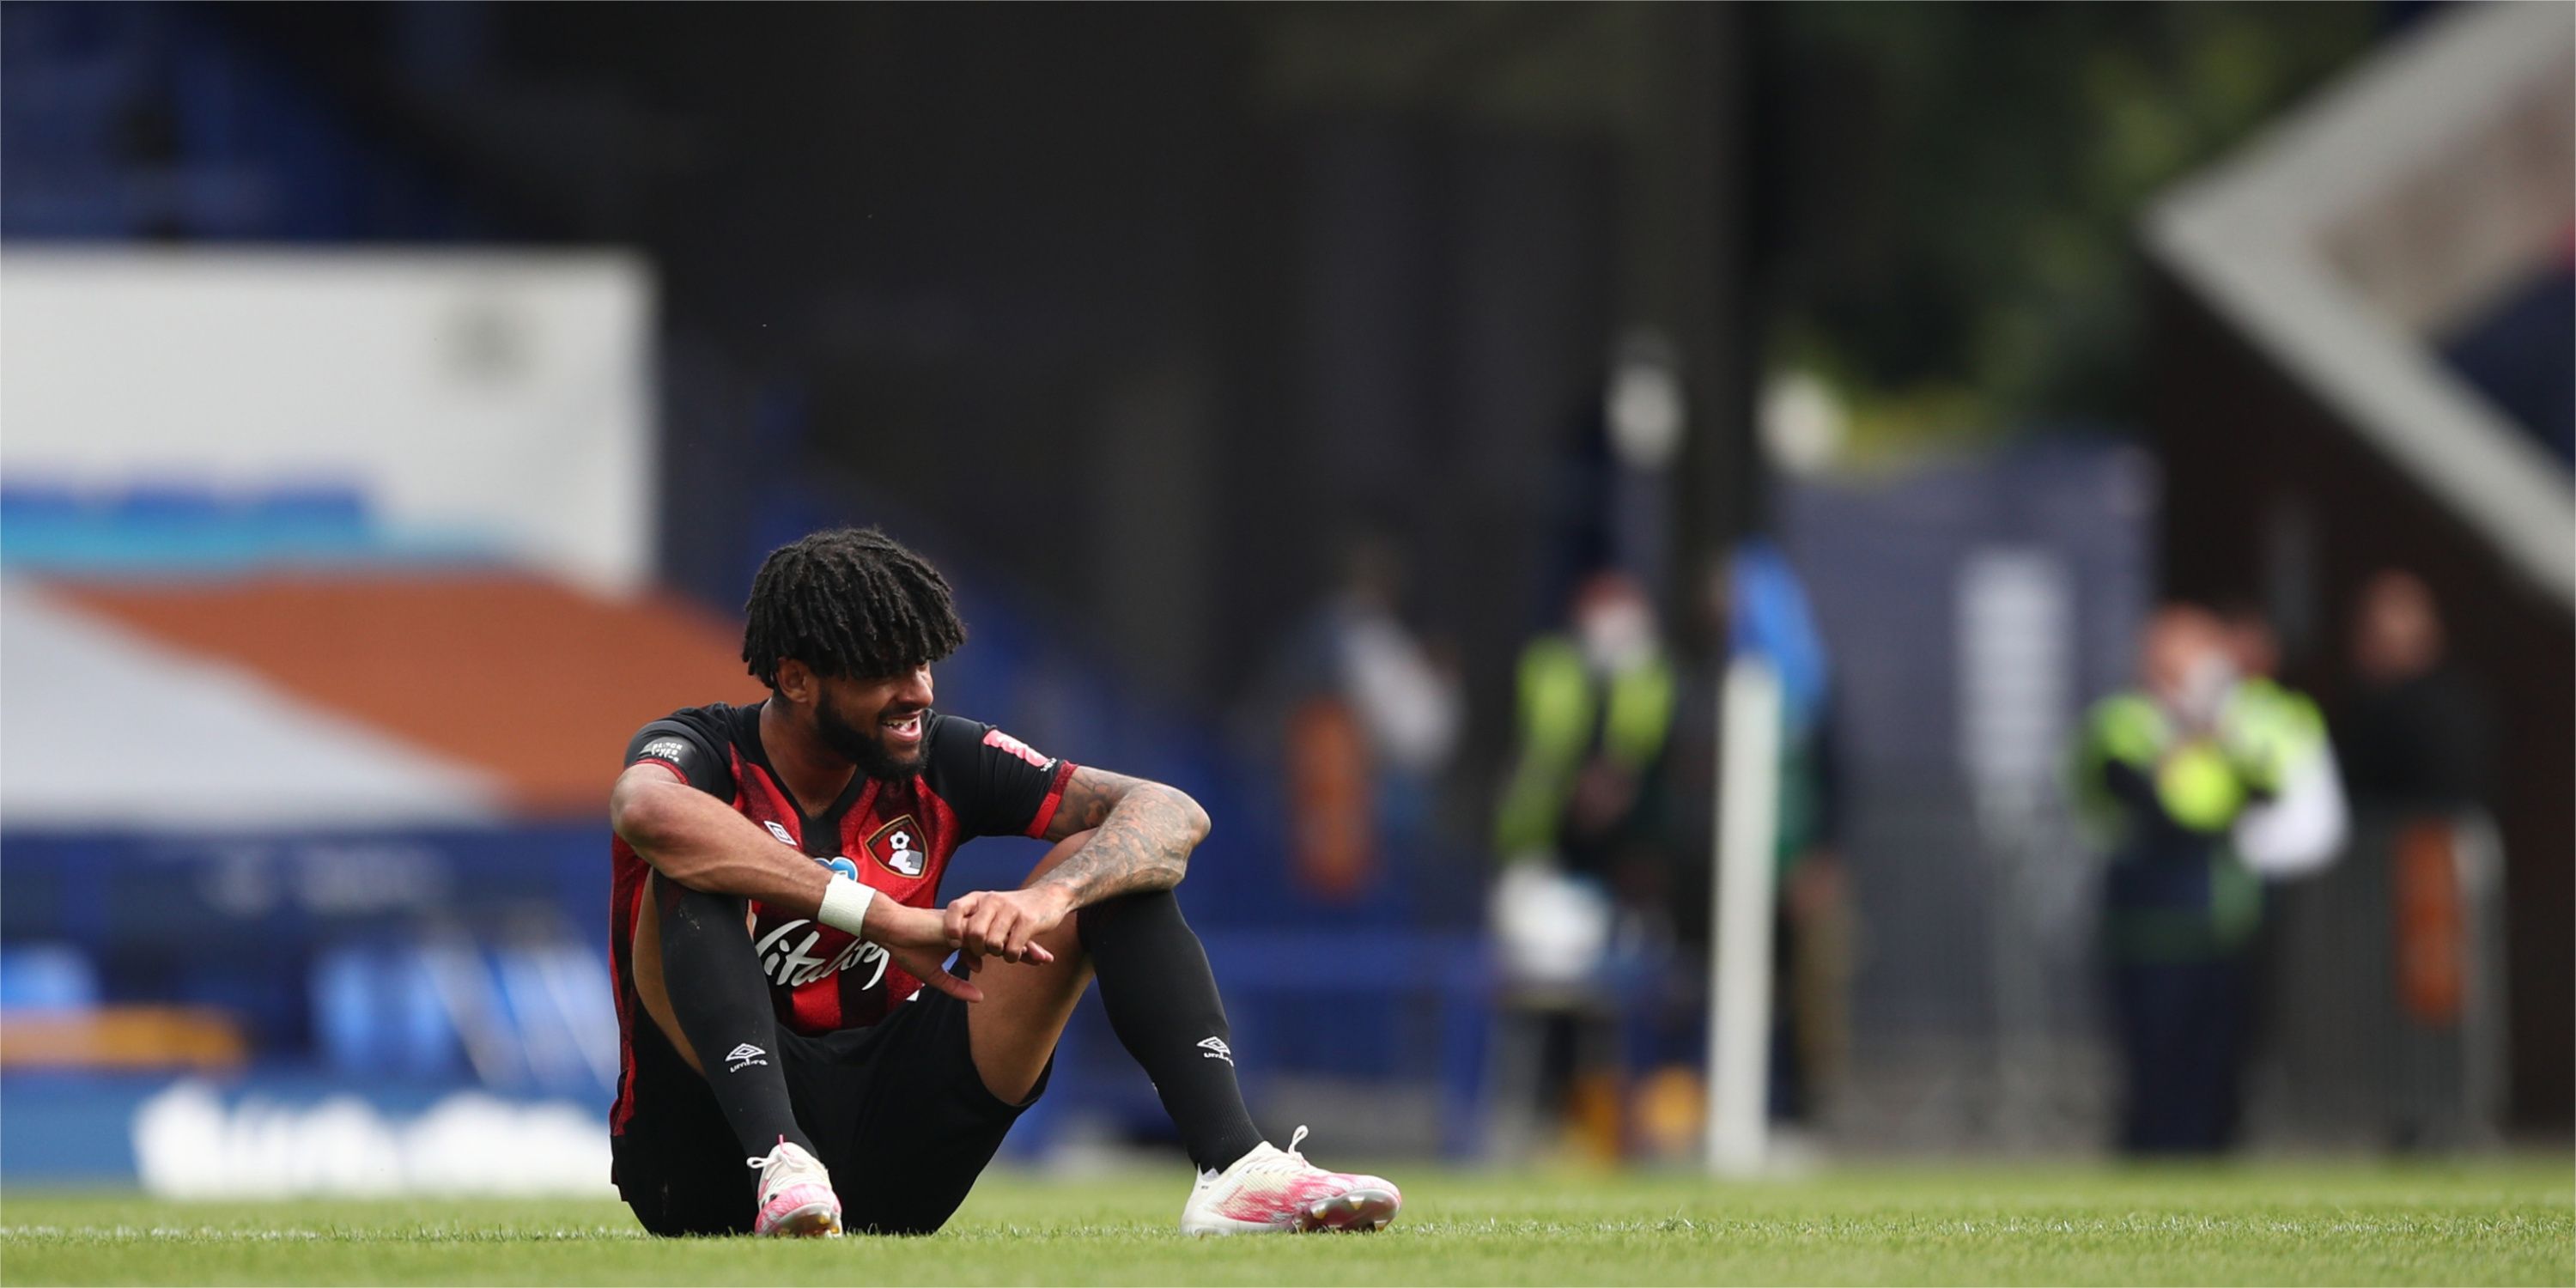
(1004, 924)
(918, 940)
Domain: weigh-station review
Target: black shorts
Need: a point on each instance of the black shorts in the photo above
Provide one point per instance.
(896, 1111)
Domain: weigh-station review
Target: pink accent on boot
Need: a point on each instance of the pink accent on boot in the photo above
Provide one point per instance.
(796, 1198)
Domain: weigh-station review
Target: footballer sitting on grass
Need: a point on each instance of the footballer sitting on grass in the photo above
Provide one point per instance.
(778, 951)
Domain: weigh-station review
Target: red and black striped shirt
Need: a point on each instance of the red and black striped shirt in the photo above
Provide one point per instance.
(896, 836)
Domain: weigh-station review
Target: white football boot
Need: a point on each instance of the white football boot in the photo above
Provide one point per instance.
(796, 1198)
(1276, 1191)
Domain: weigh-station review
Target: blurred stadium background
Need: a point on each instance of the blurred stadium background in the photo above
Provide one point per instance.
(396, 399)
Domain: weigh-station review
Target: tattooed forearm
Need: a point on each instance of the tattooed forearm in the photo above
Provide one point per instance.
(1145, 832)
(1088, 797)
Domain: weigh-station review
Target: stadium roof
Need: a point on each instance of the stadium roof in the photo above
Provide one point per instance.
(2346, 237)
(334, 700)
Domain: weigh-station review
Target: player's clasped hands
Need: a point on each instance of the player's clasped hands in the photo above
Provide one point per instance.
(1002, 924)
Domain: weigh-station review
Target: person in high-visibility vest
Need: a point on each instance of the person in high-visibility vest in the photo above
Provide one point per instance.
(2302, 831)
(1595, 710)
(2164, 773)
(1579, 830)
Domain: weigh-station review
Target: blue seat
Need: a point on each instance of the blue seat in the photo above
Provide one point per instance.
(377, 1014)
(47, 977)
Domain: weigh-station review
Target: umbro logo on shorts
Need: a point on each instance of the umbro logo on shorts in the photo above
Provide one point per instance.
(743, 1057)
(1216, 1049)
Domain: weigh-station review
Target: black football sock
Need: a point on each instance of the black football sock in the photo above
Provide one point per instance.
(722, 1002)
(1162, 1003)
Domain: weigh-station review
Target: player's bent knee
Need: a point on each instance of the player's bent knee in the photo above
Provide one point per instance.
(1065, 938)
(1064, 849)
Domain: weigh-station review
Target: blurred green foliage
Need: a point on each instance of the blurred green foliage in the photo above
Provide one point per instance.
(1951, 192)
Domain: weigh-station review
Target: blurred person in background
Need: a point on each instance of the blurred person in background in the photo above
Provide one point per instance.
(2418, 751)
(792, 1015)
(2164, 773)
(1765, 614)
(2302, 830)
(1369, 718)
(1581, 833)
(1594, 708)
(2294, 836)
(1754, 604)
(2414, 734)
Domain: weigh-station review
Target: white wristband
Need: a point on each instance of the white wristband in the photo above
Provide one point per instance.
(845, 905)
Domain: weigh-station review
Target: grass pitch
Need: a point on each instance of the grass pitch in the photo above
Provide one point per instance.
(2484, 1223)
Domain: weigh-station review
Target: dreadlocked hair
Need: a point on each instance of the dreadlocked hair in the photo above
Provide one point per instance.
(848, 602)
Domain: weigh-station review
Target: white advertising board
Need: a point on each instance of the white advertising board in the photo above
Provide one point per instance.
(504, 396)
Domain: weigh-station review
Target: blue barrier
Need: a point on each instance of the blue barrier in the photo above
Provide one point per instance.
(1363, 978)
(478, 954)
(239, 921)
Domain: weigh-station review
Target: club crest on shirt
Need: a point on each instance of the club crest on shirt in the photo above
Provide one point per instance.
(900, 847)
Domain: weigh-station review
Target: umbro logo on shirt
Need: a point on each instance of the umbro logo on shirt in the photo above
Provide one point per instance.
(743, 1057)
(1216, 1049)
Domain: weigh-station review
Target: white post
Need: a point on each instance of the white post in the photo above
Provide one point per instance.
(1739, 963)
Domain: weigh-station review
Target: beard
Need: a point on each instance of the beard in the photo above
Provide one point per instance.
(868, 753)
